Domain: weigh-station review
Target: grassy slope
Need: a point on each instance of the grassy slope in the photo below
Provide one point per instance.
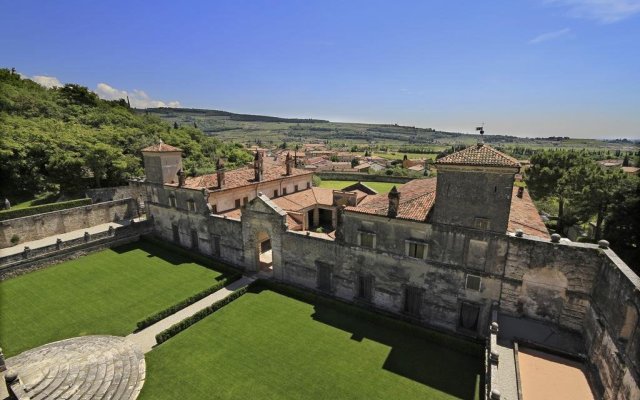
(269, 346)
(380, 187)
(102, 293)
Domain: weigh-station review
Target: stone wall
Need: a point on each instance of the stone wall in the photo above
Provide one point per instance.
(99, 195)
(39, 226)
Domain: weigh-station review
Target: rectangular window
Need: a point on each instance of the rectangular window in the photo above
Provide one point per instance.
(481, 223)
(176, 233)
(416, 250)
(473, 282)
(245, 200)
(412, 300)
(195, 243)
(308, 185)
(275, 193)
(172, 201)
(324, 277)
(191, 204)
(368, 240)
(365, 287)
(284, 191)
(216, 246)
(238, 203)
(295, 188)
(469, 314)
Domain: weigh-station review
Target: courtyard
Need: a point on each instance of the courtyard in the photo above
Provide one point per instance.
(268, 344)
(102, 293)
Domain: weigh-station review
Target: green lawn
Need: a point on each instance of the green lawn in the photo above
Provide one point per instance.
(101, 293)
(380, 187)
(267, 345)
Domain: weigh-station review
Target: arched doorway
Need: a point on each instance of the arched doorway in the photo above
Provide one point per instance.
(265, 254)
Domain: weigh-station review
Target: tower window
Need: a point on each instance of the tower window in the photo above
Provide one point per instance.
(481, 223)
(172, 201)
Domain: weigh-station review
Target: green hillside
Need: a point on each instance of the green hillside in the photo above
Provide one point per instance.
(64, 140)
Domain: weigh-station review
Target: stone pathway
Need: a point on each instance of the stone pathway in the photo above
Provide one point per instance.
(87, 367)
(507, 371)
(50, 240)
(146, 338)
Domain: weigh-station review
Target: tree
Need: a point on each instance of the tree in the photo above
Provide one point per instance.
(175, 124)
(625, 161)
(622, 228)
(354, 162)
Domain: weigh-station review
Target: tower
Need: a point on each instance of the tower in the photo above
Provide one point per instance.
(162, 163)
(258, 166)
(474, 188)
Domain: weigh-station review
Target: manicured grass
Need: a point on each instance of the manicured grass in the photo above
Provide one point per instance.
(380, 187)
(267, 345)
(101, 293)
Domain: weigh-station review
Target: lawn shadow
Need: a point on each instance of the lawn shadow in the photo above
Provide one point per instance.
(428, 357)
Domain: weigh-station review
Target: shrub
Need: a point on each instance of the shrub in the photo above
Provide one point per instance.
(152, 319)
(25, 212)
(187, 322)
(15, 239)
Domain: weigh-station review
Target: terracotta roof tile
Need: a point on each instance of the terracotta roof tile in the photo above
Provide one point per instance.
(161, 148)
(524, 215)
(416, 199)
(480, 155)
(241, 177)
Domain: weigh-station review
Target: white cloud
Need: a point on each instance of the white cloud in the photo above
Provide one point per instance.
(137, 98)
(545, 37)
(46, 81)
(603, 11)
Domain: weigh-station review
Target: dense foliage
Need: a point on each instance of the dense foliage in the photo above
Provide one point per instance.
(67, 139)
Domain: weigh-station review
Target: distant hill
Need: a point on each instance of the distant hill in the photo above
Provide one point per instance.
(231, 116)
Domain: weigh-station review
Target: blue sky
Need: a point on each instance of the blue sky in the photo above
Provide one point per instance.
(525, 67)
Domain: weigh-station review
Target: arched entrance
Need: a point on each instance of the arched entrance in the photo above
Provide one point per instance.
(264, 254)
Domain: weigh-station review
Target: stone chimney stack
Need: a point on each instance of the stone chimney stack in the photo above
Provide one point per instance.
(181, 178)
(394, 202)
(220, 173)
(258, 166)
(520, 192)
(287, 162)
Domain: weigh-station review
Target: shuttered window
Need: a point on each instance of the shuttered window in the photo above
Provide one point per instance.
(365, 287)
(416, 250)
(412, 300)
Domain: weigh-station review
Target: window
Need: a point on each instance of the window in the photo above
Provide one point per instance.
(416, 250)
(194, 239)
(245, 200)
(237, 203)
(295, 188)
(469, 314)
(216, 246)
(364, 287)
(214, 208)
(481, 223)
(412, 300)
(368, 240)
(172, 201)
(473, 282)
(308, 185)
(284, 191)
(191, 204)
(324, 277)
(176, 233)
(275, 193)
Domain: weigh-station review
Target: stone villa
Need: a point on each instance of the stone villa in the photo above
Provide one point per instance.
(450, 252)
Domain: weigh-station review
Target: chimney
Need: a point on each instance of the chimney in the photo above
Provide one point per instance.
(287, 162)
(258, 166)
(520, 192)
(181, 178)
(220, 173)
(394, 202)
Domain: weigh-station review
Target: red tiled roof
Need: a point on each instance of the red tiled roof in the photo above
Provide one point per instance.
(242, 177)
(306, 198)
(416, 199)
(480, 155)
(161, 148)
(524, 215)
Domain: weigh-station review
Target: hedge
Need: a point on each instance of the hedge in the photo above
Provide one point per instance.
(187, 322)
(202, 259)
(152, 319)
(464, 345)
(25, 212)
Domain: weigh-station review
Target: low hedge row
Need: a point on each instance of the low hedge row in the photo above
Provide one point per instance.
(463, 345)
(160, 315)
(187, 322)
(202, 259)
(25, 212)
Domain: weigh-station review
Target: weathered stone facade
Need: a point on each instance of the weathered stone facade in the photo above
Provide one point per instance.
(442, 272)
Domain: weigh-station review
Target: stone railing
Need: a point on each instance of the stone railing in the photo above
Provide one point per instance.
(492, 386)
(113, 236)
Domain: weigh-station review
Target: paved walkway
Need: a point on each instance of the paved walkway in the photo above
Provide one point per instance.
(507, 371)
(9, 251)
(146, 338)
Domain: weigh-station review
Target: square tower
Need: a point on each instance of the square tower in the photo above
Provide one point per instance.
(162, 163)
(474, 188)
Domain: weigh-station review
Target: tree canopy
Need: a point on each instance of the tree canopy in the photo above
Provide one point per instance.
(67, 139)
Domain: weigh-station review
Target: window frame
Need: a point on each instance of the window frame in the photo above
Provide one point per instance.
(367, 234)
(466, 282)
